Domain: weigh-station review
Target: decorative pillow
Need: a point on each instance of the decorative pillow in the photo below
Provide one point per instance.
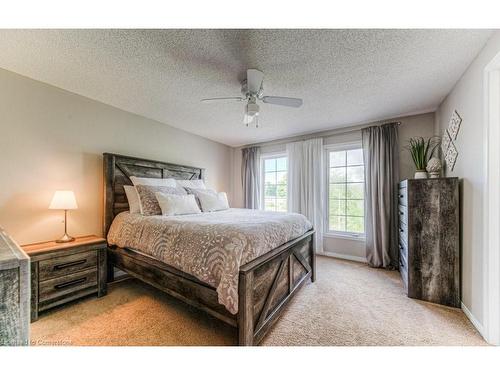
(195, 192)
(173, 204)
(153, 181)
(134, 205)
(149, 203)
(211, 200)
(193, 184)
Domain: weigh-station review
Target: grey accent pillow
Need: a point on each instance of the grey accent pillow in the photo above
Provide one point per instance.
(194, 191)
(147, 198)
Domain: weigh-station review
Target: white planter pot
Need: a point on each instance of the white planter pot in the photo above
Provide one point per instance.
(420, 174)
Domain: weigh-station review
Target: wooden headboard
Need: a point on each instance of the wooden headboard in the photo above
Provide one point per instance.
(117, 172)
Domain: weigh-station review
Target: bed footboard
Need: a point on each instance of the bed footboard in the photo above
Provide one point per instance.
(267, 284)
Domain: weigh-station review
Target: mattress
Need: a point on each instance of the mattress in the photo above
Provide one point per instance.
(210, 246)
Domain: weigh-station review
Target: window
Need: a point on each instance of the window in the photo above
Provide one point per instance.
(346, 191)
(274, 191)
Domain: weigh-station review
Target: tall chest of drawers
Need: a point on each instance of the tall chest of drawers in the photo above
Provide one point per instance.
(429, 235)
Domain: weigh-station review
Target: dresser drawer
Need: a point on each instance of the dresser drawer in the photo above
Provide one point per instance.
(403, 214)
(64, 285)
(403, 232)
(403, 253)
(403, 270)
(65, 265)
(403, 196)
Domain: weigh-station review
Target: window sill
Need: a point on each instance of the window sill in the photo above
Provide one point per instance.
(360, 238)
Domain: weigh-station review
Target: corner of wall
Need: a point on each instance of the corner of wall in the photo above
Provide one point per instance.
(475, 322)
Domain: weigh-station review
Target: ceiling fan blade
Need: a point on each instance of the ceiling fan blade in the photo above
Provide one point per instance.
(281, 100)
(254, 80)
(229, 99)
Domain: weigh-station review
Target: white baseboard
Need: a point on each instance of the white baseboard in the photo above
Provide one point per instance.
(473, 319)
(343, 256)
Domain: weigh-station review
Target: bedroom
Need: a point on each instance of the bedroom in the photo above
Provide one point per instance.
(223, 187)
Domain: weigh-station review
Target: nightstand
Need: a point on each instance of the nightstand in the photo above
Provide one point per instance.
(63, 272)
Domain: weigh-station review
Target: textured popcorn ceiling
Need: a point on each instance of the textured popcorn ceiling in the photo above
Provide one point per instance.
(344, 76)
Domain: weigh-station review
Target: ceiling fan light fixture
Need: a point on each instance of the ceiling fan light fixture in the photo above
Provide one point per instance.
(247, 119)
(251, 120)
(252, 109)
(252, 90)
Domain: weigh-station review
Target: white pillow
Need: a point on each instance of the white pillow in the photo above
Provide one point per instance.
(173, 204)
(170, 182)
(212, 201)
(192, 184)
(134, 205)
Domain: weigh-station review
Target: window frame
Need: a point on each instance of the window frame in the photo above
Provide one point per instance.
(263, 158)
(326, 217)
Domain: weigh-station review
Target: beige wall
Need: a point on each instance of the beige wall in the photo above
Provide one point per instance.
(467, 97)
(411, 126)
(52, 139)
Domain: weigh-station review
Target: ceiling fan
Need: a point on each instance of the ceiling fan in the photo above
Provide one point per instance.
(253, 90)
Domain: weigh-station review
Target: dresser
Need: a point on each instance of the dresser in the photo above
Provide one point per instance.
(63, 272)
(14, 293)
(429, 235)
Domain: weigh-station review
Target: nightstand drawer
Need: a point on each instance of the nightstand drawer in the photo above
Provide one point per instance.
(63, 285)
(65, 265)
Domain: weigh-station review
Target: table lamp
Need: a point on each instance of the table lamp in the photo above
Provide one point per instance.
(64, 200)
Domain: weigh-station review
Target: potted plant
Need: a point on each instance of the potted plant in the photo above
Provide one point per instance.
(421, 150)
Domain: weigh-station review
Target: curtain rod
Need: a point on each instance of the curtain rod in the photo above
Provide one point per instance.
(384, 124)
(322, 134)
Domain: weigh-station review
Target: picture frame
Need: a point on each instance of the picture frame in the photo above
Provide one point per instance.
(451, 156)
(445, 142)
(454, 125)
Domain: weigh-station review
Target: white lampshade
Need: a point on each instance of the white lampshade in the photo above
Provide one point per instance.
(63, 200)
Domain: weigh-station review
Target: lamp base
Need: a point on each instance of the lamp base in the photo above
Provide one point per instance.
(65, 238)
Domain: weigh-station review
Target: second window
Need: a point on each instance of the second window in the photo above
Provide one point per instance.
(346, 191)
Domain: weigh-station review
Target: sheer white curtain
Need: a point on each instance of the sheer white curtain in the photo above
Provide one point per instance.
(305, 183)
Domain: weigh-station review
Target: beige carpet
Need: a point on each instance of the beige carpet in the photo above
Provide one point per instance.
(350, 304)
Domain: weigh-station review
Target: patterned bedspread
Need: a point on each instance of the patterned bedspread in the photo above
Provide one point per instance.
(210, 246)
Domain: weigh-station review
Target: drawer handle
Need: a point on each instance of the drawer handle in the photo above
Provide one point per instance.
(70, 283)
(401, 212)
(401, 195)
(401, 230)
(62, 266)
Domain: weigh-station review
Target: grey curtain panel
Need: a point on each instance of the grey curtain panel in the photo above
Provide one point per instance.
(306, 184)
(250, 176)
(381, 158)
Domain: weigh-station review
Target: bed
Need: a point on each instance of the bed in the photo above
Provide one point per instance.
(251, 294)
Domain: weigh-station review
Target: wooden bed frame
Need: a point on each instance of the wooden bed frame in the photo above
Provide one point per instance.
(266, 284)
